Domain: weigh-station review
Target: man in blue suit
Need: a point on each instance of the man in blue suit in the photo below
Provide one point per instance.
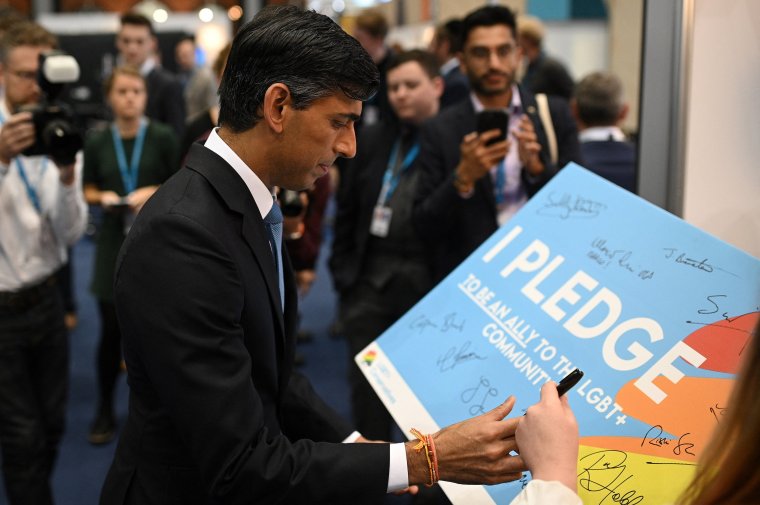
(599, 108)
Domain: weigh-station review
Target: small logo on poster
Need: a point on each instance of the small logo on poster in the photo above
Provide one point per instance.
(369, 358)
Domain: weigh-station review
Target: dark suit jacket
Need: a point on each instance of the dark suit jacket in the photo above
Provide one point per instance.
(452, 226)
(362, 182)
(615, 161)
(166, 102)
(456, 88)
(216, 413)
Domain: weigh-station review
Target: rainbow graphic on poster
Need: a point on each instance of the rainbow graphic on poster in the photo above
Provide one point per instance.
(655, 311)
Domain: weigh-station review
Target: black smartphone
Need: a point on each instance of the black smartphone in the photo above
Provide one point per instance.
(493, 119)
(569, 381)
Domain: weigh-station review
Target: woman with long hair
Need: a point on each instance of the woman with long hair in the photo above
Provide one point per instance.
(728, 472)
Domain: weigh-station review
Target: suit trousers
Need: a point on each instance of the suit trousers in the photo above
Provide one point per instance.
(367, 310)
(34, 361)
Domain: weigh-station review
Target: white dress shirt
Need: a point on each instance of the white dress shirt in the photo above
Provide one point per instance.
(33, 243)
(512, 190)
(398, 477)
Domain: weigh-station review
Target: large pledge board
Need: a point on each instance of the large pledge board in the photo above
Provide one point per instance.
(654, 311)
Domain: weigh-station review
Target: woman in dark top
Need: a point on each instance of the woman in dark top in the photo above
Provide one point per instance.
(123, 166)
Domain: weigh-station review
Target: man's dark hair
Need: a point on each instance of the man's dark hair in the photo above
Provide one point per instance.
(489, 15)
(135, 18)
(304, 50)
(599, 99)
(425, 59)
(451, 31)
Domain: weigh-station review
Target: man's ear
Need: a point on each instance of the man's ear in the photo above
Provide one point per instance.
(438, 85)
(277, 100)
(623, 113)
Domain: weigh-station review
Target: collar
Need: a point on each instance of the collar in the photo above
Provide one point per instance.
(602, 133)
(261, 194)
(148, 66)
(514, 108)
(449, 65)
(4, 107)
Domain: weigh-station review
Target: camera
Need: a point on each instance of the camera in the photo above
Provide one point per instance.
(54, 123)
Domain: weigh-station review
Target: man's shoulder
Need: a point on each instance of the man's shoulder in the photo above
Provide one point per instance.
(451, 117)
(163, 78)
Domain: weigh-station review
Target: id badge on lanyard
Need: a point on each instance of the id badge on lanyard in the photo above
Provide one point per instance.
(382, 214)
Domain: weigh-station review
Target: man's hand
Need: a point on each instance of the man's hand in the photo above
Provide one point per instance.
(304, 280)
(477, 158)
(475, 451)
(66, 174)
(16, 135)
(528, 146)
(548, 438)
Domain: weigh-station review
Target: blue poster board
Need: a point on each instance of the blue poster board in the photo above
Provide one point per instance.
(587, 275)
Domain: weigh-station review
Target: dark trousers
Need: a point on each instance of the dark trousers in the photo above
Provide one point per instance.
(34, 361)
(367, 310)
(109, 354)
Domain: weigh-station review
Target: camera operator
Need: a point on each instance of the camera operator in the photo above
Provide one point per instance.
(43, 212)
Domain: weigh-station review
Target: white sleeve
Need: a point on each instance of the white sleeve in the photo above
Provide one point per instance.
(540, 492)
(70, 217)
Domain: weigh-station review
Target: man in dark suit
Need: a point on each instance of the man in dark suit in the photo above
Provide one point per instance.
(445, 45)
(468, 187)
(207, 303)
(599, 108)
(137, 43)
(544, 73)
(378, 263)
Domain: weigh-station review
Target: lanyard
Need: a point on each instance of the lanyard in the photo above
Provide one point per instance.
(129, 174)
(31, 191)
(391, 177)
(501, 179)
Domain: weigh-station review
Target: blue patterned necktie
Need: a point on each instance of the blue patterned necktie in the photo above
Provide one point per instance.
(273, 221)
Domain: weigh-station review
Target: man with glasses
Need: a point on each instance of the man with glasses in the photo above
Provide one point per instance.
(472, 183)
(42, 212)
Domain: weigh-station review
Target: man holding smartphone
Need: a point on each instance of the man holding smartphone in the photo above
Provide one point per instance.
(472, 182)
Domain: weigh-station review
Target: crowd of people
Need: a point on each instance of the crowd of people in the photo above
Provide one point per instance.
(212, 217)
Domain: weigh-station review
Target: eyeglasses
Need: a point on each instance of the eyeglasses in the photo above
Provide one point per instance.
(483, 53)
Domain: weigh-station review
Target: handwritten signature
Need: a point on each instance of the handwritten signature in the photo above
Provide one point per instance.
(715, 308)
(654, 437)
(478, 395)
(454, 357)
(449, 323)
(566, 207)
(602, 471)
(605, 256)
(703, 264)
(718, 412)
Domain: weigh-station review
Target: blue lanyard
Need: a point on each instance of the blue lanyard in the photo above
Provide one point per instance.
(129, 174)
(501, 179)
(390, 179)
(30, 190)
